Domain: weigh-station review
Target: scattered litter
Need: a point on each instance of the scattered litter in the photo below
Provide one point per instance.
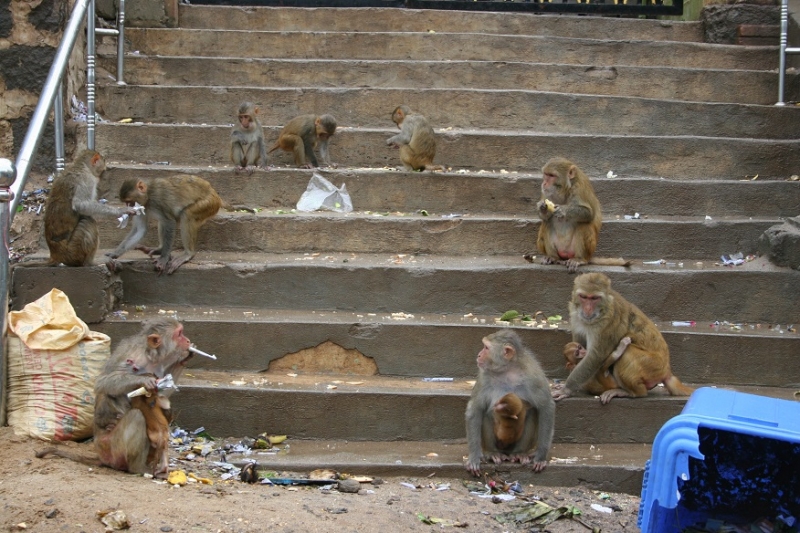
(509, 315)
(322, 194)
(634, 216)
(708, 217)
(539, 513)
(408, 485)
(611, 174)
(601, 508)
(441, 522)
(114, 520)
(655, 262)
(177, 477)
(733, 259)
(453, 215)
(437, 379)
(684, 323)
(164, 384)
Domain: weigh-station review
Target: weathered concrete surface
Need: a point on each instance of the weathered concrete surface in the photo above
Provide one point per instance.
(522, 150)
(386, 191)
(610, 467)
(666, 83)
(359, 233)
(91, 290)
(447, 46)
(720, 21)
(379, 407)
(444, 285)
(248, 340)
(781, 243)
(457, 108)
(424, 20)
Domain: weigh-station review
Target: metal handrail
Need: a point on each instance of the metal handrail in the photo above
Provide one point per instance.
(785, 49)
(14, 177)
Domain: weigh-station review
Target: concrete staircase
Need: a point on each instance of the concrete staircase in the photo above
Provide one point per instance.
(325, 324)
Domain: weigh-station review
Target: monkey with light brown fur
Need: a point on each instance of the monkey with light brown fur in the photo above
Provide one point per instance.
(506, 369)
(132, 434)
(509, 420)
(69, 225)
(416, 140)
(248, 148)
(302, 134)
(571, 218)
(603, 380)
(184, 199)
(600, 319)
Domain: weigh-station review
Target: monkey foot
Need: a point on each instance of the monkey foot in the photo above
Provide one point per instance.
(521, 458)
(530, 257)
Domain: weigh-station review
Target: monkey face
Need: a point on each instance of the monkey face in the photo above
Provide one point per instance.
(485, 355)
(181, 341)
(246, 121)
(590, 305)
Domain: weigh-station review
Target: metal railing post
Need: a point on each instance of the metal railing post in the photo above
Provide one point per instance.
(8, 173)
(58, 126)
(784, 49)
(90, 76)
(121, 43)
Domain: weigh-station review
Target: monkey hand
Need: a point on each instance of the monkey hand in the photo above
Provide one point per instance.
(150, 382)
(560, 392)
(544, 210)
(538, 464)
(112, 264)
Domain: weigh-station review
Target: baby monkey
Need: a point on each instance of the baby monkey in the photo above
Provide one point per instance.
(302, 134)
(248, 148)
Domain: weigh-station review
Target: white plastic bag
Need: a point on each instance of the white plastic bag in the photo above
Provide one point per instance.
(322, 194)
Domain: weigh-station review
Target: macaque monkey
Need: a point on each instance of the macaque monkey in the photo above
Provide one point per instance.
(302, 134)
(601, 319)
(509, 420)
(571, 218)
(507, 372)
(416, 140)
(603, 380)
(69, 225)
(185, 199)
(248, 148)
(132, 434)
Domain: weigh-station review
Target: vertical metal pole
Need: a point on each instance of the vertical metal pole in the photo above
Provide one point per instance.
(90, 75)
(58, 125)
(784, 39)
(121, 43)
(8, 173)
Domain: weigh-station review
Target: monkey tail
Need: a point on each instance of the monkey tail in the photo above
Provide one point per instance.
(676, 388)
(609, 261)
(69, 454)
(277, 145)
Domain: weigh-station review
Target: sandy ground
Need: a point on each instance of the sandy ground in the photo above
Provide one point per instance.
(59, 495)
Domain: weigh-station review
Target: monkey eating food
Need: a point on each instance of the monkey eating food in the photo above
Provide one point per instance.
(131, 433)
(416, 140)
(570, 218)
(302, 134)
(601, 319)
(510, 383)
(185, 199)
(248, 148)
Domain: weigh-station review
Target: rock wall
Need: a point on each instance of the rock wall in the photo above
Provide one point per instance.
(30, 31)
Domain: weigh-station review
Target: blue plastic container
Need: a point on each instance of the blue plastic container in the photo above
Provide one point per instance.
(729, 456)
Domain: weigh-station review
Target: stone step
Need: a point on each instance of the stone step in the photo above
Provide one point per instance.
(633, 156)
(277, 231)
(381, 408)
(392, 19)
(665, 83)
(455, 108)
(386, 191)
(755, 292)
(602, 467)
(404, 345)
(424, 46)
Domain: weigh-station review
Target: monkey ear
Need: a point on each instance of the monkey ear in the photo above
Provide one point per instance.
(153, 341)
(509, 352)
(95, 159)
(141, 187)
(572, 172)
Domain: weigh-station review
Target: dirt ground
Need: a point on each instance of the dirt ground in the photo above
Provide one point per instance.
(59, 495)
